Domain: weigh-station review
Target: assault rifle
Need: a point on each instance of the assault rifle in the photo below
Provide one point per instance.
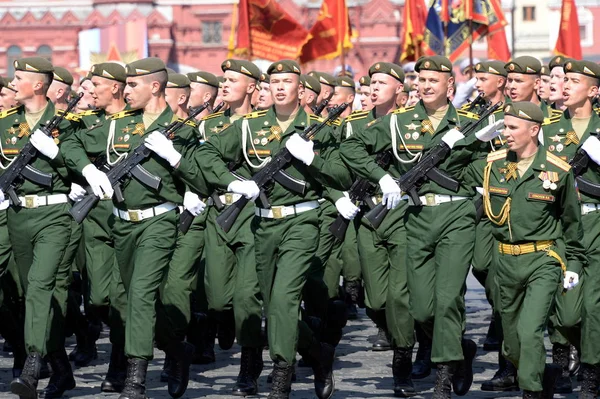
(281, 160)
(426, 169)
(579, 164)
(20, 168)
(130, 167)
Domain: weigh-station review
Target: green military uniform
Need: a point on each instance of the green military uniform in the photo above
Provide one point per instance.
(528, 212)
(285, 245)
(435, 233)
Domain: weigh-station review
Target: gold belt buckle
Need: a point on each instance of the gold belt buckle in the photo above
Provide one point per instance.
(228, 198)
(134, 215)
(277, 212)
(430, 199)
(515, 250)
(31, 201)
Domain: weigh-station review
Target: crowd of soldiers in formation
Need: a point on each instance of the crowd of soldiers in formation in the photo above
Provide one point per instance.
(265, 207)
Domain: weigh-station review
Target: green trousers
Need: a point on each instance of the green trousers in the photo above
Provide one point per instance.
(527, 287)
(284, 252)
(590, 321)
(144, 250)
(230, 276)
(351, 269)
(382, 254)
(176, 291)
(42, 241)
(483, 252)
(439, 251)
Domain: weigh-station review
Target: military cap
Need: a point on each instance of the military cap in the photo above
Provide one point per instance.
(4, 82)
(109, 70)
(406, 89)
(264, 77)
(365, 81)
(206, 78)
(545, 71)
(323, 78)
(284, 66)
(525, 64)
(557, 61)
(241, 66)
(525, 110)
(311, 83)
(221, 80)
(177, 80)
(34, 64)
(145, 66)
(388, 68)
(345, 81)
(63, 76)
(493, 67)
(436, 63)
(583, 67)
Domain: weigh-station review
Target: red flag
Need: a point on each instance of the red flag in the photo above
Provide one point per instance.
(568, 42)
(330, 35)
(266, 31)
(496, 38)
(415, 15)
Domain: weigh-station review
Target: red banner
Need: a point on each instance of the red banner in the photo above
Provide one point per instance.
(414, 18)
(266, 31)
(568, 42)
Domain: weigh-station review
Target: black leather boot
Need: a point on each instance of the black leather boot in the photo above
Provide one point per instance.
(135, 382)
(560, 357)
(226, 331)
(270, 376)
(352, 290)
(251, 366)
(574, 362)
(282, 381)
(589, 385)
(86, 345)
(463, 377)
(117, 370)
(402, 369)
(322, 356)
(62, 377)
(166, 371)
(491, 343)
(382, 342)
(505, 378)
(422, 365)
(552, 373)
(181, 354)
(443, 380)
(531, 395)
(26, 384)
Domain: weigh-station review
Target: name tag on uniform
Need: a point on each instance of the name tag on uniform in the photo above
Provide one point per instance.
(541, 197)
(498, 190)
(259, 152)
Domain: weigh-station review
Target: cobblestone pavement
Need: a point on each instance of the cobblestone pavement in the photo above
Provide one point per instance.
(359, 372)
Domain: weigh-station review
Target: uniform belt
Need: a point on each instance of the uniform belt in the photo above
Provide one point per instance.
(587, 208)
(434, 199)
(33, 201)
(522, 249)
(229, 198)
(137, 215)
(321, 200)
(280, 212)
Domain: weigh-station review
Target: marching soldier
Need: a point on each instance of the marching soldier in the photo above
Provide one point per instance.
(7, 95)
(177, 93)
(364, 93)
(327, 83)
(310, 94)
(60, 88)
(265, 101)
(40, 228)
(344, 92)
(203, 88)
(87, 101)
(557, 80)
(543, 91)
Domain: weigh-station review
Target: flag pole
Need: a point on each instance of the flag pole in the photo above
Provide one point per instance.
(470, 44)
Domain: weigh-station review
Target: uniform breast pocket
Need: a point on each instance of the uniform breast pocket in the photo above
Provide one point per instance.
(498, 196)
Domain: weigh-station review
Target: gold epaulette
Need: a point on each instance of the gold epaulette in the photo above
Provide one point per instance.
(317, 118)
(556, 112)
(72, 117)
(8, 112)
(496, 155)
(256, 114)
(216, 114)
(189, 123)
(89, 112)
(467, 114)
(124, 114)
(551, 120)
(336, 122)
(356, 115)
(403, 110)
(556, 161)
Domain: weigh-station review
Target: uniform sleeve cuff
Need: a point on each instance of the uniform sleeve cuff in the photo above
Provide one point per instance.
(575, 267)
(377, 174)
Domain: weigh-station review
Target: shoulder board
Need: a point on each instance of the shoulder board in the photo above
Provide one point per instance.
(216, 114)
(467, 114)
(357, 116)
(256, 114)
(556, 112)
(551, 120)
(556, 161)
(317, 118)
(72, 117)
(337, 122)
(89, 112)
(496, 155)
(189, 123)
(8, 112)
(403, 110)
(373, 122)
(124, 114)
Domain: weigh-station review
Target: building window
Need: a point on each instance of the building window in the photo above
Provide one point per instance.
(13, 53)
(45, 52)
(212, 32)
(529, 13)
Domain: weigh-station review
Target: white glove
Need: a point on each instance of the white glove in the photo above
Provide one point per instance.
(163, 147)
(570, 281)
(490, 132)
(44, 144)
(300, 149)
(2, 198)
(77, 192)
(4, 203)
(346, 208)
(452, 136)
(391, 192)
(98, 181)
(193, 203)
(247, 188)
(592, 147)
